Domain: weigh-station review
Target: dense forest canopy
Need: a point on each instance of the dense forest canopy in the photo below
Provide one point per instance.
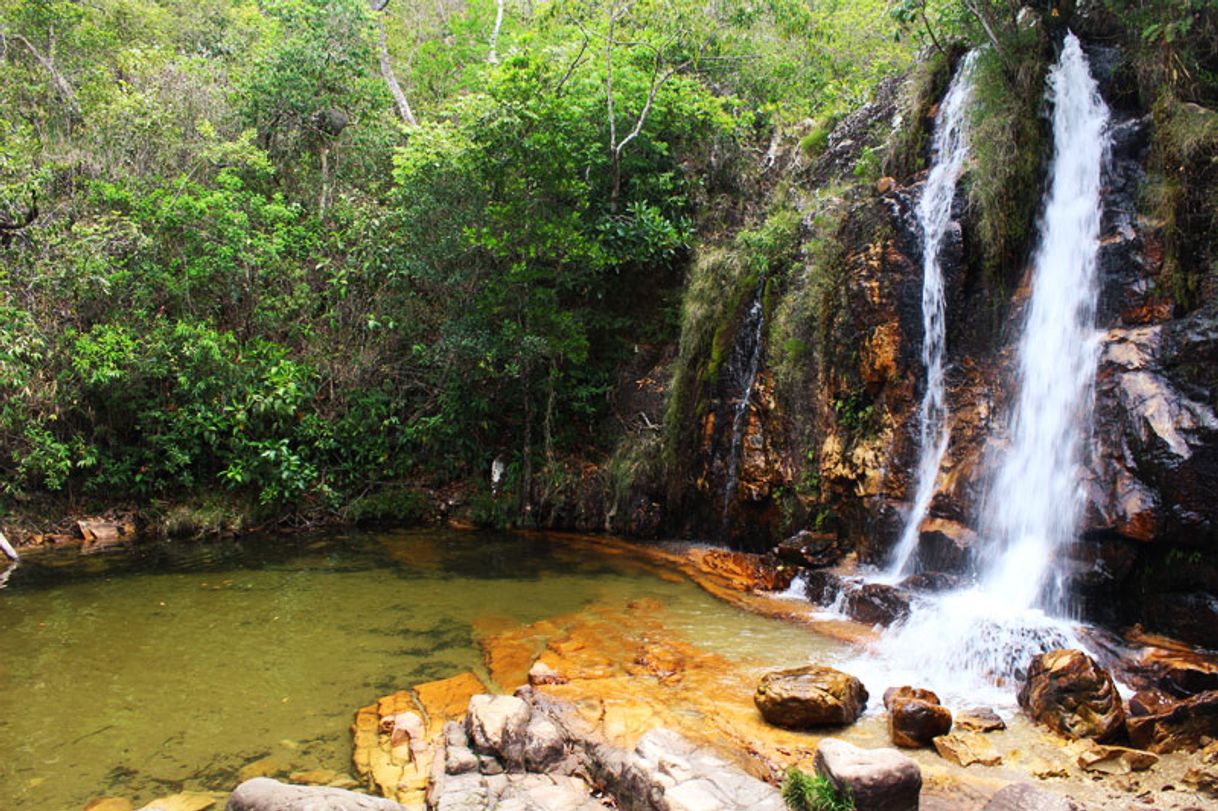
(302, 250)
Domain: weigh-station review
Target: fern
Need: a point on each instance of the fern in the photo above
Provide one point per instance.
(808, 792)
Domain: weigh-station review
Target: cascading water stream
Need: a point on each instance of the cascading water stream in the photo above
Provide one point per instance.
(964, 642)
(1034, 504)
(751, 330)
(949, 150)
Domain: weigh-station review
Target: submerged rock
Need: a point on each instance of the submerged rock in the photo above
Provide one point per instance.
(967, 749)
(823, 588)
(1068, 692)
(1185, 725)
(265, 794)
(1115, 759)
(979, 719)
(877, 779)
(810, 696)
(877, 604)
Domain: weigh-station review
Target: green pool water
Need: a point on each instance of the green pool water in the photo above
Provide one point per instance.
(141, 673)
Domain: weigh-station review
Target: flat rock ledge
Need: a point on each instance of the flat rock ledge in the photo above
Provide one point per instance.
(531, 753)
(265, 794)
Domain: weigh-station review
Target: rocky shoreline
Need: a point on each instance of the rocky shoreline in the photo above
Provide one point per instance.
(612, 707)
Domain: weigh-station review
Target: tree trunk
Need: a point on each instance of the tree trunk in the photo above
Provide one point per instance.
(526, 461)
(493, 56)
(62, 86)
(391, 79)
(7, 548)
(548, 425)
(323, 200)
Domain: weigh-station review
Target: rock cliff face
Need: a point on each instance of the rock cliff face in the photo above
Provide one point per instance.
(832, 448)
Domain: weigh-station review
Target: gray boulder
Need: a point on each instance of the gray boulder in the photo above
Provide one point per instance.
(877, 779)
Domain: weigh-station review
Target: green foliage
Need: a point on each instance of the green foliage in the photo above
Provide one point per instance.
(815, 142)
(393, 504)
(812, 792)
(721, 282)
(1007, 144)
(1175, 47)
(1179, 196)
(905, 152)
(804, 320)
(854, 411)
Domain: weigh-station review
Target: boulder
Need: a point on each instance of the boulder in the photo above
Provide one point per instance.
(265, 794)
(877, 604)
(1026, 797)
(1185, 725)
(932, 581)
(811, 549)
(1148, 702)
(1180, 672)
(496, 726)
(894, 693)
(1115, 759)
(967, 749)
(543, 744)
(979, 719)
(915, 722)
(822, 587)
(810, 696)
(944, 545)
(877, 779)
(1069, 693)
(744, 571)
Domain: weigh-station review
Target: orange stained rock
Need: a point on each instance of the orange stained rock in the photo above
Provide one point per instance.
(399, 769)
(446, 699)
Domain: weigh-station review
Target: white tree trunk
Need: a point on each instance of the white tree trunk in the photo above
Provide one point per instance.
(7, 548)
(493, 56)
(391, 79)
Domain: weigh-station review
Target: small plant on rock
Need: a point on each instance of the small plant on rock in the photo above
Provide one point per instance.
(813, 792)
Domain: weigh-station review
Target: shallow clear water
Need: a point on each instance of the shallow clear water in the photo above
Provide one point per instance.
(142, 673)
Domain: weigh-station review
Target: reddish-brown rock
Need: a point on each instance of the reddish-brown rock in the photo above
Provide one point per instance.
(810, 696)
(877, 604)
(1069, 693)
(915, 722)
(1185, 725)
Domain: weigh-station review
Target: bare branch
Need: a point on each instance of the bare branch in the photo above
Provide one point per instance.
(391, 79)
(48, 63)
(575, 63)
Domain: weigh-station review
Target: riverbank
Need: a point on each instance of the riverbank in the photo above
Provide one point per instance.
(629, 638)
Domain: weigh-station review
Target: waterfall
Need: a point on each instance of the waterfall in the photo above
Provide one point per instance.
(749, 350)
(1034, 504)
(949, 149)
(964, 641)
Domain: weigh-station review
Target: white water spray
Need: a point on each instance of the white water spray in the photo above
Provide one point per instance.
(1035, 501)
(949, 150)
(963, 642)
